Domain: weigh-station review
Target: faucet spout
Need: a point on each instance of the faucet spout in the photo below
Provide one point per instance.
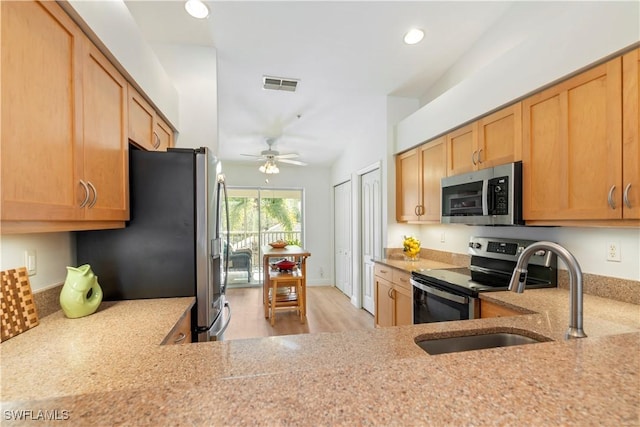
(519, 280)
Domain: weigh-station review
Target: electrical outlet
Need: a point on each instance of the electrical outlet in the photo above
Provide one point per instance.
(30, 261)
(613, 252)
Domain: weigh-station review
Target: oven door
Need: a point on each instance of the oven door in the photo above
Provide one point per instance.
(432, 304)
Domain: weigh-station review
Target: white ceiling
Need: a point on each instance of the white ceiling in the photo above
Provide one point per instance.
(345, 54)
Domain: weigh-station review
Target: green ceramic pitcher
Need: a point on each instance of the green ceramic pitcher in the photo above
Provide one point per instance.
(81, 294)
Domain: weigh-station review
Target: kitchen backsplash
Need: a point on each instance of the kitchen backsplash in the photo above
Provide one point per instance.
(602, 286)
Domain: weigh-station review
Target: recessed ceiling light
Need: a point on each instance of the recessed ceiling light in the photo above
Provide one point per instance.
(197, 9)
(413, 36)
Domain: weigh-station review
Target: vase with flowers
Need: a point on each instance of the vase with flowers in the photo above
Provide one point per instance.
(411, 248)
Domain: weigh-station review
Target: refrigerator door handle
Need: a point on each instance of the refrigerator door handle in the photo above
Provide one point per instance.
(226, 322)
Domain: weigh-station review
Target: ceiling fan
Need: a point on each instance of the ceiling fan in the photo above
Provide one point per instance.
(270, 156)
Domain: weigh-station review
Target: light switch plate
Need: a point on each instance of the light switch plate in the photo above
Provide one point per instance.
(30, 261)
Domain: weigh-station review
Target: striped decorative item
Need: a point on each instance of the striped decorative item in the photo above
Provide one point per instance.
(17, 308)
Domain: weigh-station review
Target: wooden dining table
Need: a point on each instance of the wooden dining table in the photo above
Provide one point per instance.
(291, 252)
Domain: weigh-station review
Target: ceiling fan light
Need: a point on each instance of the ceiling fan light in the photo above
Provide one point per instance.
(197, 9)
(269, 168)
(413, 36)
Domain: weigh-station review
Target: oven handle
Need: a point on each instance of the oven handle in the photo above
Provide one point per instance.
(442, 294)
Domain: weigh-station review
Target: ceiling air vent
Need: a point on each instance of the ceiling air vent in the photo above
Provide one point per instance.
(279, 83)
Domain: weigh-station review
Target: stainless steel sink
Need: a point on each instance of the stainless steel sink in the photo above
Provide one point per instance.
(474, 342)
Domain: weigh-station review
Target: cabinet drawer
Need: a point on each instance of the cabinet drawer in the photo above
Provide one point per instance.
(181, 332)
(383, 271)
(401, 278)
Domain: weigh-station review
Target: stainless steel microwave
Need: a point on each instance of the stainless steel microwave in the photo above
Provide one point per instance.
(491, 196)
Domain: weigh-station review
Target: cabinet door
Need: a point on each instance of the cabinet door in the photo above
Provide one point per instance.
(461, 150)
(631, 135)
(41, 131)
(384, 303)
(408, 203)
(105, 138)
(403, 299)
(164, 135)
(500, 137)
(572, 147)
(434, 160)
(141, 121)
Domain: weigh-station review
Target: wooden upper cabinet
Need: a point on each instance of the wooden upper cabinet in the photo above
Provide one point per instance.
(408, 189)
(631, 135)
(164, 135)
(106, 148)
(572, 151)
(418, 173)
(493, 140)
(41, 99)
(434, 167)
(141, 121)
(64, 147)
(500, 137)
(462, 150)
(146, 129)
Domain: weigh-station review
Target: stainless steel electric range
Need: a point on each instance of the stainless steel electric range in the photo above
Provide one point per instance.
(452, 294)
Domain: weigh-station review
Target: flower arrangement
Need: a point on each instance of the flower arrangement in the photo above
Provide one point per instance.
(411, 247)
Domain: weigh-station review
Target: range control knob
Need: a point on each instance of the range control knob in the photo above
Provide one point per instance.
(477, 245)
(540, 252)
(498, 189)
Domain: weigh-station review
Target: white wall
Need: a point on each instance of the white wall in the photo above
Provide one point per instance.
(318, 213)
(534, 44)
(54, 252)
(197, 87)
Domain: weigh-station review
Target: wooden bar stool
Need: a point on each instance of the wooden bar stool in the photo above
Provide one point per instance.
(286, 292)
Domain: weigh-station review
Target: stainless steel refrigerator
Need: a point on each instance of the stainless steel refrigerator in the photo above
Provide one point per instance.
(171, 246)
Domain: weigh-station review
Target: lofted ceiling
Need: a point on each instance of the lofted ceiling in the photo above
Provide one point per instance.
(346, 55)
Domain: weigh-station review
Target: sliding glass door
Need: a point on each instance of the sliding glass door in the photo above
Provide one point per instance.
(257, 217)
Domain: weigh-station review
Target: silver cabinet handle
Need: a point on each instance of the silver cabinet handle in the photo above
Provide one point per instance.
(612, 203)
(473, 158)
(416, 210)
(86, 194)
(625, 196)
(389, 293)
(480, 155)
(157, 138)
(95, 195)
(180, 338)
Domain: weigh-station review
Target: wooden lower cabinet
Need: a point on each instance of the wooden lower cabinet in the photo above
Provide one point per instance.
(490, 309)
(181, 332)
(393, 299)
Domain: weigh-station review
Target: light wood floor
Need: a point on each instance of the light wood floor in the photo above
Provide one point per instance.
(328, 310)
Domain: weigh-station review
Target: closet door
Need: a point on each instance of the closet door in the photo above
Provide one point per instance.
(342, 237)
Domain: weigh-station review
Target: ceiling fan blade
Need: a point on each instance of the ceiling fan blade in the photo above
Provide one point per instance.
(288, 156)
(253, 155)
(293, 162)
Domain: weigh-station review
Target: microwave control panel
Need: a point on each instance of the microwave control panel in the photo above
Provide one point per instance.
(499, 195)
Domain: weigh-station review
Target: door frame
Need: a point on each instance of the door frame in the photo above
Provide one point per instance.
(356, 261)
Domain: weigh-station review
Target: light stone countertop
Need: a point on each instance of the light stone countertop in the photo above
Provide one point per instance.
(109, 368)
(418, 264)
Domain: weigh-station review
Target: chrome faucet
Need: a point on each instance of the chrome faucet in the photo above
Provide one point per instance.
(519, 279)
